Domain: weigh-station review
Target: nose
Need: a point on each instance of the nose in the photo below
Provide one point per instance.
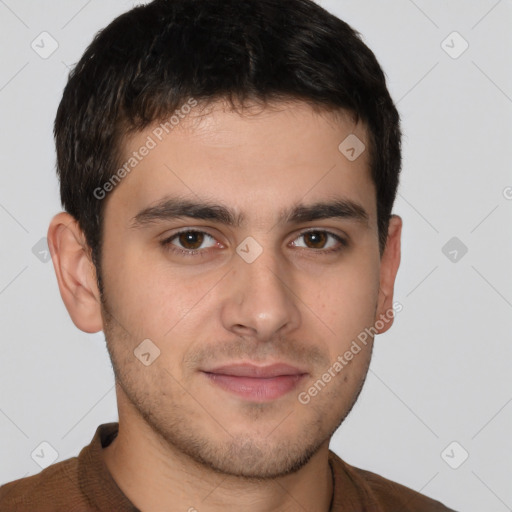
(259, 299)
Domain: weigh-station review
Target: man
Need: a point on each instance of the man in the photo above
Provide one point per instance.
(228, 171)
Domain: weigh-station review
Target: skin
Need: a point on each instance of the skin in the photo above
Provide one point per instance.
(181, 437)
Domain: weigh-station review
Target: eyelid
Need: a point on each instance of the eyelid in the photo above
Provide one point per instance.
(168, 245)
(322, 230)
(167, 241)
(342, 239)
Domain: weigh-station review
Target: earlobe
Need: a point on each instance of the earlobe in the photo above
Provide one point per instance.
(76, 274)
(390, 261)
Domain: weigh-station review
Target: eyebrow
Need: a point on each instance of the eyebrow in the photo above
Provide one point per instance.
(172, 208)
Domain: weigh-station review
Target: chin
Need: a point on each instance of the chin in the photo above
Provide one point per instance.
(247, 459)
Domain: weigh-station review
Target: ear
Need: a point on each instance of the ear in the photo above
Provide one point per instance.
(390, 261)
(76, 274)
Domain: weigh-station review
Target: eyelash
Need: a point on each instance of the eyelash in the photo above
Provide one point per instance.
(202, 252)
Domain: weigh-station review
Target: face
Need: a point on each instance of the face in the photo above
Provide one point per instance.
(245, 248)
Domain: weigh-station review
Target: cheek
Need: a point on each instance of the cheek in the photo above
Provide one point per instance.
(138, 289)
(154, 300)
(345, 299)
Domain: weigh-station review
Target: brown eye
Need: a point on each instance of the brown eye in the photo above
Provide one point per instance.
(320, 241)
(315, 239)
(191, 239)
(190, 242)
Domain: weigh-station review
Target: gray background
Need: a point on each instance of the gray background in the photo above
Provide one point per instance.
(440, 375)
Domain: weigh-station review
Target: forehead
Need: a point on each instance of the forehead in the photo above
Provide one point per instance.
(255, 159)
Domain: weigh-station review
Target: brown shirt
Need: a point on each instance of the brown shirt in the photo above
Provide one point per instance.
(84, 484)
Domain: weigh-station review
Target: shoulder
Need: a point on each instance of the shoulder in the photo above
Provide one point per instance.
(385, 494)
(45, 491)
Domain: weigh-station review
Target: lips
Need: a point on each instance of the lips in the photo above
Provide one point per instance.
(256, 383)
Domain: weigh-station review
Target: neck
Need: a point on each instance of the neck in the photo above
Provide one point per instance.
(156, 476)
